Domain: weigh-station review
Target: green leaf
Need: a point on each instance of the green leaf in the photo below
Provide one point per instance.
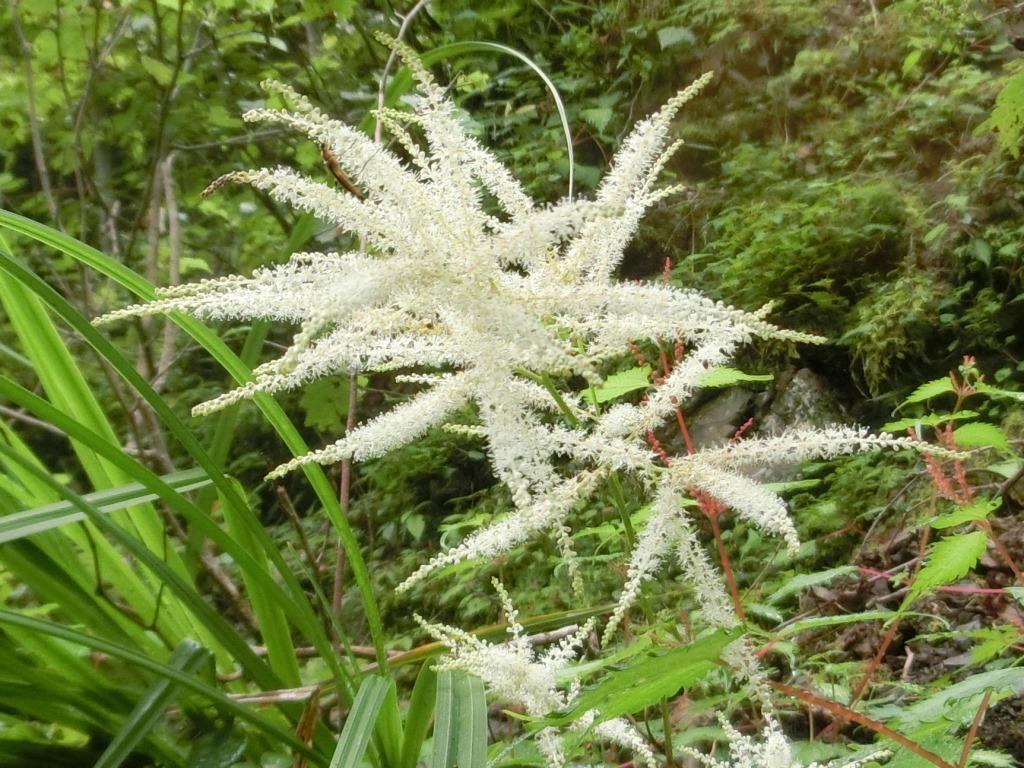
(979, 510)
(162, 73)
(928, 420)
(950, 560)
(997, 392)
(911, 60)
(213, 623)
(460, 721)
(185, 680)
(355, 736)
(1007, 118)
(325, 402)
(241, 522)
(619, 384)
(978, 434)
(241, 373)
(669, 37)
(598, 117)
(806, 580)
(723, 376)
(929, 390)
(32, 521)
(648, 682)
(1005, 682)
(419, 715)
(935, 233)
(820, 622)
(188, 657)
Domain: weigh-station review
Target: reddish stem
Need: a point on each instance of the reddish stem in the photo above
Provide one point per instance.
(849, 714)
(966, 751)
(730, 578)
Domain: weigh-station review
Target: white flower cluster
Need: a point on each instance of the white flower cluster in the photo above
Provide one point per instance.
(771, 751)
(485, 299)
(518, 674)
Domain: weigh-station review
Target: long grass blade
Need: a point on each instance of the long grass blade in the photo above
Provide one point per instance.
(224, 703)
(419, 715)
(188, 657)
(273, 625)
(215, 624)
(355, 736)
(32, 521)
(235, 368)
(460, 722)
(67, 388)
(180, 505)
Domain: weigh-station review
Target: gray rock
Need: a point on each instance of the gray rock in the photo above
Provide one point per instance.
(715, 422)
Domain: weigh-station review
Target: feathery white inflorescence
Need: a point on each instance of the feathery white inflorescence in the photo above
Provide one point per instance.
(492, 301)
(520, 675)
(771, 750)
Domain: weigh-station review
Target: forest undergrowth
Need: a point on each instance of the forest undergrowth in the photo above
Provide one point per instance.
(511, 416)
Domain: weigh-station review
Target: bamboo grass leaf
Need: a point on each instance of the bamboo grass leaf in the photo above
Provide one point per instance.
(188, 657)
(223, 702)
(240, 372)
(32, 521)
(355, 736)
(460, 721)
(421, 712)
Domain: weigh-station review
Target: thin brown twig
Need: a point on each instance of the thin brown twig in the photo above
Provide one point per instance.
(344, 496)
(173, 269)
(38, 150)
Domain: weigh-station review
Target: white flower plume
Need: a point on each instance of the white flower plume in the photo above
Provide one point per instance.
(493, 302)
(772, 750)
(519, 675)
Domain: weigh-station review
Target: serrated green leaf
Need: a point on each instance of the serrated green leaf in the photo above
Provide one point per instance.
(979, 510)
(1007, 119)
(978, 434)
(930, 389)
(928, 420)
(325, 402)
(987, 389)
(950, 560)
(598, 117)
(1004, 682)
